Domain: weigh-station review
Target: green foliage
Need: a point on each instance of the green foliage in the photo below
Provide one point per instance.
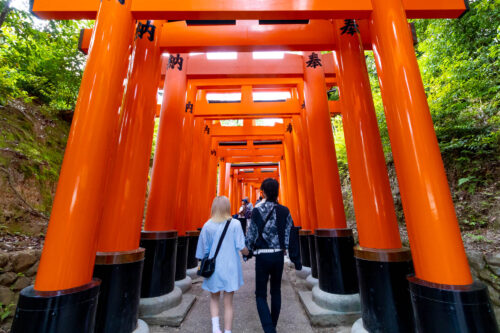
(379, 106)
(460, 66)
(338, 135)
(155, 138)
(232, 122)
(40, 60)
(6, 310)
(333, 94)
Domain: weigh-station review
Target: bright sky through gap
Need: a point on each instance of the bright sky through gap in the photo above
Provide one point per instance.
(24, 5)
(269, 55)
(225, 97)
(20, 4)
(222, 55)
(268, 121)
(271, 95)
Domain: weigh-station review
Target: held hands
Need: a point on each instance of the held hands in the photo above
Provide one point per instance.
(248, 256)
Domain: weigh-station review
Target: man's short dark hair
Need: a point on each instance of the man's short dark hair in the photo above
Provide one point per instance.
(271, 189)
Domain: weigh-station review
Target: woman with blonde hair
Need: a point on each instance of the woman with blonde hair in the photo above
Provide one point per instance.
(228, 275)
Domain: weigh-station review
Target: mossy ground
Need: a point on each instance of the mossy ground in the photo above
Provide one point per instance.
(32, 142)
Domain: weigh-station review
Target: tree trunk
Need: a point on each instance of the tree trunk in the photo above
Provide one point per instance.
(5, 12)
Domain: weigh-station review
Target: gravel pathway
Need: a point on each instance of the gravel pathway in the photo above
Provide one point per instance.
(246, 319)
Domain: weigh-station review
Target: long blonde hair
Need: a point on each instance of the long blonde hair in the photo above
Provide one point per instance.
(221, 209)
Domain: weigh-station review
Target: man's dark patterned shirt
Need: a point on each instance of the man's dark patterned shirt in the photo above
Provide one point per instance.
(270, 232)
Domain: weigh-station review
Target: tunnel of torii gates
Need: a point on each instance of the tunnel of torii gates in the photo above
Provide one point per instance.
(103, 265)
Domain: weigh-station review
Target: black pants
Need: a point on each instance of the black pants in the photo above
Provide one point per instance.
(268, 265)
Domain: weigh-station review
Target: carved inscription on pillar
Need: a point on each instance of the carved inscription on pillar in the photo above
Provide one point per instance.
(189, 107)
(350, 27)
(143, 29)
(314, 61)
(175, 61)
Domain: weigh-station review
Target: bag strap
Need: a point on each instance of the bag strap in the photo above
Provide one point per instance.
(267, 220)
(222, 238)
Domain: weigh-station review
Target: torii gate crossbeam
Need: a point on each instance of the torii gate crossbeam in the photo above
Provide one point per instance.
(255, 10)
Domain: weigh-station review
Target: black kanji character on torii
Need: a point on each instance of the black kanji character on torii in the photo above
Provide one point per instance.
(314, 61)
(350, 27)
(145, 28)
(175, 61)
(189, 107)
(289, 128)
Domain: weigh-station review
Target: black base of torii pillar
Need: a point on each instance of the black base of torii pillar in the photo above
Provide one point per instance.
(71, 310)
(192, 261)
(119, 295)
(383, 285)
(162, 302)
(181, 279)
(334, 300)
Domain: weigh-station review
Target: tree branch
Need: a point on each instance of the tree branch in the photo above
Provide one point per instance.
(14, 152)
(5, 11)
(30, 208)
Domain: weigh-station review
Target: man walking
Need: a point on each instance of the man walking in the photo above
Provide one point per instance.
(245, 213)
(269, 239)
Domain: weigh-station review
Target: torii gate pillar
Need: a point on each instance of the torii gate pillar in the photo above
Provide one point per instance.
(252, 194)
(120, 261)
(333, 241)
(442, 274)
(160, 235)
(379, 255)
(291, 179)
(305, 186)
(283, 174)
(222, 179)
(194, 197)
(67, 262)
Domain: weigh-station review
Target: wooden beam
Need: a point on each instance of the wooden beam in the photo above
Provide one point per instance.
(250, 10)
(248, 153)
(253, 165)
(335, 108)
(267, 159)
(243, 78)
(247, 36)
(269, 109)
(250, 177)
(246, 10)
(237, 132)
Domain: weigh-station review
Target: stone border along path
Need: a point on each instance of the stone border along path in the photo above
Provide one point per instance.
(246, 320)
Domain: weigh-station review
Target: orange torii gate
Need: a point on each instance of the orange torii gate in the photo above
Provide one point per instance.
(230, 10)
(198, 216)
(242, 36)
(257, 148)
(252, 167)
(249, 179)
(199, 201)
(442, 275)
(248, 153)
